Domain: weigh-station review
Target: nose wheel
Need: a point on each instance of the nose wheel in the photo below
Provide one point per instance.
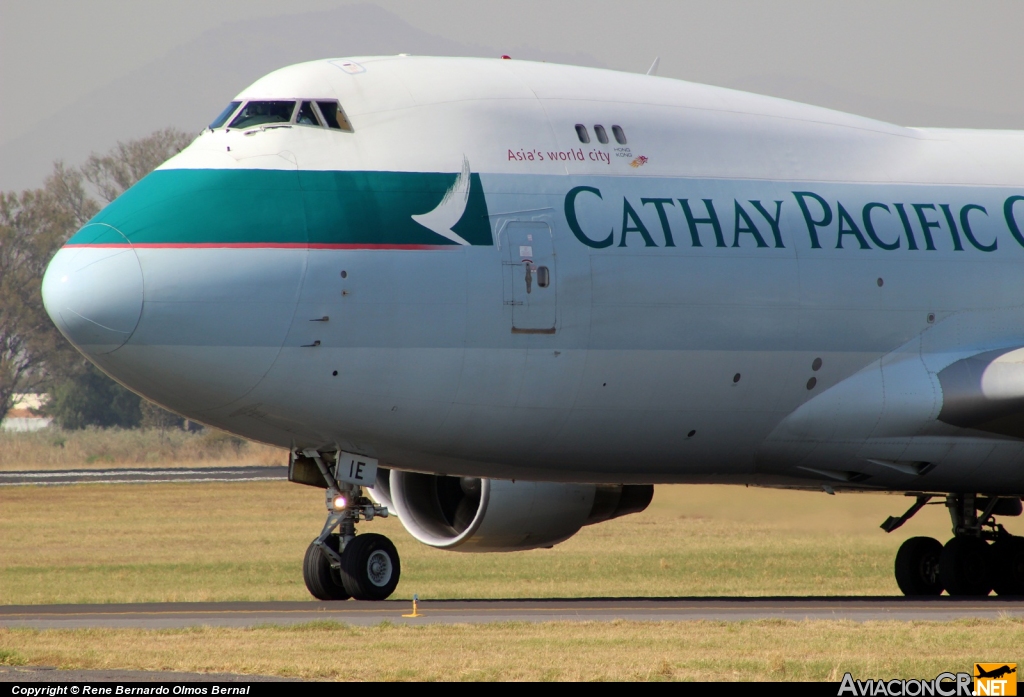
(341, 565)
(369, 569)
(322, 581)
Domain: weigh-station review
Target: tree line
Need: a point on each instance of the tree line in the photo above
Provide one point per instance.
(34, 224)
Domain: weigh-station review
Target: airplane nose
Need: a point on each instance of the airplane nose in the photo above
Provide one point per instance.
(94, 292)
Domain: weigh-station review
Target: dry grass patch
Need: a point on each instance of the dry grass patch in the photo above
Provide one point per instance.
(761, 650)
(93, 448)
(245, 541)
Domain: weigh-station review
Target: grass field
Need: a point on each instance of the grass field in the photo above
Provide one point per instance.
(245, 541)
(763, 650)
(93, 448)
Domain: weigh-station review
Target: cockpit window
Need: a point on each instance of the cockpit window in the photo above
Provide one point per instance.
(307, 115)
(259, 113)
(334, 116)
(223, 116)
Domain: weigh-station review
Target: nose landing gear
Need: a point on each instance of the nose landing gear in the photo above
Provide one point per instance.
(341, 565)
(981, 557)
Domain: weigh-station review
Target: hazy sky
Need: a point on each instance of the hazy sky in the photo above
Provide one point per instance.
(917, 62)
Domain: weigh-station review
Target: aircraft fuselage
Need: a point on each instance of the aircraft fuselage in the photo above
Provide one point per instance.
(745, 290)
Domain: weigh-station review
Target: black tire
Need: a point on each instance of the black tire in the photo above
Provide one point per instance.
(370, 567)
(966, 567)
(917, 566)
(323, 582)
(1008, 563)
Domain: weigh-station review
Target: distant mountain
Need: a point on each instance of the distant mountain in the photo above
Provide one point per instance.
(188, 86)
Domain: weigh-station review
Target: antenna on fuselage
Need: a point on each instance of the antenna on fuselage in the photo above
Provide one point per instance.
(653, 70)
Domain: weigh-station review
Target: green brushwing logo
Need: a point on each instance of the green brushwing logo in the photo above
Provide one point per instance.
(443, 219)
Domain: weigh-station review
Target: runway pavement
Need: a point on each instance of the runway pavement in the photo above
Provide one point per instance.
(143, 476)
(165, 615)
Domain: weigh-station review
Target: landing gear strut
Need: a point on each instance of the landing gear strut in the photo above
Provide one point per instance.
(338, 563)
(981, 557)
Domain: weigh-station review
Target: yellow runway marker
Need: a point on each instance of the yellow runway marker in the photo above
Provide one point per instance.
(415, 606)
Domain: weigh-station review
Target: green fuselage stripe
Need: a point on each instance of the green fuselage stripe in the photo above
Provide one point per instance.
(231, 207)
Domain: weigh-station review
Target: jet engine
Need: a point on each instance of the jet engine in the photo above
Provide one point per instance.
(468, 514)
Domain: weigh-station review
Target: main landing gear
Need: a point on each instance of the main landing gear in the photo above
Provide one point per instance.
(339, 564)
(981, 557)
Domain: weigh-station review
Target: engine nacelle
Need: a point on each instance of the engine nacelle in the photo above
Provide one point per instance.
(492, 515)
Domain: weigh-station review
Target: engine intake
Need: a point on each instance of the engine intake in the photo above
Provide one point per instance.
(493, 515)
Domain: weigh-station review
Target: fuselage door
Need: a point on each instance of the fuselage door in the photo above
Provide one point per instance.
(529, 266)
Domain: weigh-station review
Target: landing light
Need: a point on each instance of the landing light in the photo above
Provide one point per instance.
(339, 503)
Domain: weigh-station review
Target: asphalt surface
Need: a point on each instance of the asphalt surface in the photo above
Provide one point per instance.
(143, 476)
(166, 615)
